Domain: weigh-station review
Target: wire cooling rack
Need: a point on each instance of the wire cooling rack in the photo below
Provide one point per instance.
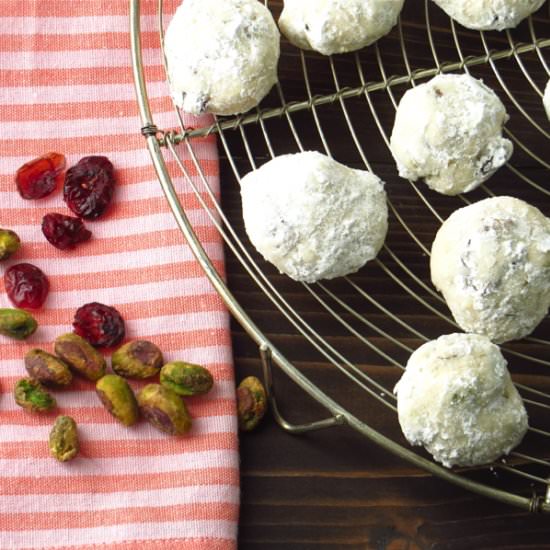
(344, 106)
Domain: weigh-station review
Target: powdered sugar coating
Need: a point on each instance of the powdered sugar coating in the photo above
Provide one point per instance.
(312, 217)
(448, 131)
(337, 26)
(491, 262)
(222, 55)
(485, 15)
(456, 398)
(546, 99)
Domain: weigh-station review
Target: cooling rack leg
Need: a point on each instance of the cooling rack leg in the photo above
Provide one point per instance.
(267, 368)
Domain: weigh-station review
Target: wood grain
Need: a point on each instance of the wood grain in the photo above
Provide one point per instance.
(334, 489)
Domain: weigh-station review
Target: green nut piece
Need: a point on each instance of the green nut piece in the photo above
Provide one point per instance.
(251, 403)
(47, 368)
(17, 323)
(118, 398)
(138, 359)
(31, 395)
(80, 356)
(64, 439)
(164, 409)
(185, 378)
(9, 243)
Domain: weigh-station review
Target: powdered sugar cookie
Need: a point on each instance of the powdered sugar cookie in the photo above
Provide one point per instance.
(491, 262)
(312, 217)
(222, 55)
(485, 15)
(337, 26)
(456, 398)
(448, 131)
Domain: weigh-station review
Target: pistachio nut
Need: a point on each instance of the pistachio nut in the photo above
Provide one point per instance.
(17, 323)
(31, 395)
(47, 368)
(63, 441)
(138, 359)
(9, 243)
(118, 398)
(164, 409)
(251, 403)
(185, 378)
(81, 356)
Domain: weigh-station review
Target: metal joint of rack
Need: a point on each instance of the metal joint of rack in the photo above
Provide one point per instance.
(178, 144)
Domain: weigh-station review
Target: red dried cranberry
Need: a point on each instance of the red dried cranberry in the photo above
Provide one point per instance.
(101, 325)
(39, 177)
(26, 285)
(89, 187)
(64, 231)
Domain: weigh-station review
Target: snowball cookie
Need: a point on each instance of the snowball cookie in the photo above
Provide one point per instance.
(491, 262)
(546, 100)
(337, 26)
(487, 15)
(312, 217)
(449, 132)
(456, 399)
(222, 55)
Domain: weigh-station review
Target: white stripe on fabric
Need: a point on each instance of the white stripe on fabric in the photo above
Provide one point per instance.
(129, 465)
(199, 354)
(108, 534)
(111, 432)
(118, 500)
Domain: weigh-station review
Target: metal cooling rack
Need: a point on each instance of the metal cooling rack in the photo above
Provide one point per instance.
(344, 106)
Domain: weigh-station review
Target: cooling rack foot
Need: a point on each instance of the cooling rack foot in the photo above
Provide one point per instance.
(296, 429)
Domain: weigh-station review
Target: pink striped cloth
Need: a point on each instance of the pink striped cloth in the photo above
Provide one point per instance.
(66, 86)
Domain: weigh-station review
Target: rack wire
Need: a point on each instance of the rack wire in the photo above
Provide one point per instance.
(344, 106)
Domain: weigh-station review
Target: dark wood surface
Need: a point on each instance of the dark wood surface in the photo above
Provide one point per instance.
(334, 489)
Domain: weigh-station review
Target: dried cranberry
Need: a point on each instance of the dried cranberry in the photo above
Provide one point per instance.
(101, 325)
(64, 231)
(89, 187)
(39, 177)
(26, 285)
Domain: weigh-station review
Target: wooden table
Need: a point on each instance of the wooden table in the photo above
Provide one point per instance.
(334, 489)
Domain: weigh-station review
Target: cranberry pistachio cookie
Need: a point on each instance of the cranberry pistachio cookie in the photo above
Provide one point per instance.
(338, 26)
(448, 131)
(486, 15)
(312, 217)
(222, 55)
(456, 398)
(491, 262)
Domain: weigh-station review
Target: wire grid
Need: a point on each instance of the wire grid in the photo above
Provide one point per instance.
(341, 116)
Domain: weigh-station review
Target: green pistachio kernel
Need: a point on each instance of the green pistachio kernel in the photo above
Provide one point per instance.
(31, 395)
(138, 359)
(17, 323)
(118, 398)
(9, 243)
(47, 368)
(81, 356)
(251, 403)
(164, 409)
(185, 378)
(63, 441)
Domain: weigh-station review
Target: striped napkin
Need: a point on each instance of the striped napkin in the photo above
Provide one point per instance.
(66, 86)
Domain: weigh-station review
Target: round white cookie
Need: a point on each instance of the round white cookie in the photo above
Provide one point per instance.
(456, 398)
(337, 26)
(222, 55)
(486, 15)
(491, 262)
(312, 217)
(546, 100)
(448, 131)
